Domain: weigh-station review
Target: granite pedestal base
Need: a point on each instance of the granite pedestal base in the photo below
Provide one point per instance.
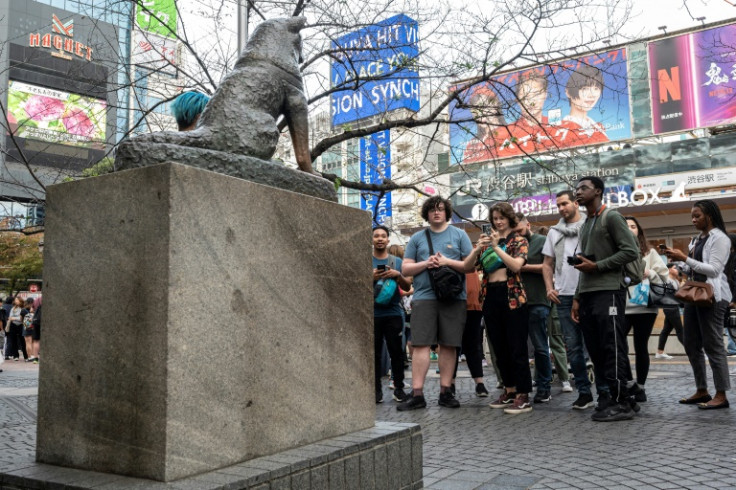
(387, 456)
(193, 321)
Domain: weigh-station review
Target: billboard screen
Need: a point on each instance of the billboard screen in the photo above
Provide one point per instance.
(388, 50)
(573, 103)
(375, 167)
(693, 80)
(157, 17)
(56, 116)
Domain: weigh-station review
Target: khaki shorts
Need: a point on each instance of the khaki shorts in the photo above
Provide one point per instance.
(433, 322)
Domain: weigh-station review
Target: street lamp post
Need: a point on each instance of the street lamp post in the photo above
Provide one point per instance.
(243, 13)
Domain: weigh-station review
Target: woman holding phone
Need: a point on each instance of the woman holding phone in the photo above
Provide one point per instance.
(705, 261)
(504, 305)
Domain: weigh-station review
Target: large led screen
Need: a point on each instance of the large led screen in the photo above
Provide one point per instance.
(694, 80)
(56, 116)
(572, 103)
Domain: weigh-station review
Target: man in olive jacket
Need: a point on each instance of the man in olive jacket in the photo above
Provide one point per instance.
(606, 246)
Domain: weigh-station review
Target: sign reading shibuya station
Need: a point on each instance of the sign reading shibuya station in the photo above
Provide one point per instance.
(377, 67)
(375, 167)
(157, 17)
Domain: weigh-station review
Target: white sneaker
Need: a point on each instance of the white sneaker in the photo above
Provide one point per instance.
(566, 388)
(462, 357)
(663, 355)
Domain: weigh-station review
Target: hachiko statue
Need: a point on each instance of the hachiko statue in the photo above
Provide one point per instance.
(264, 84)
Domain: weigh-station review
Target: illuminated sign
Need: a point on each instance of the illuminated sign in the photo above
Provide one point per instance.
(377, 66)
(693, 80)
(56, 116)
(61, 39)
(375, 167)
(157, 17)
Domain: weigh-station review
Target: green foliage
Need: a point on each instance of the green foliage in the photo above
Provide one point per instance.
(338, 183)
(20, 258)
(104, 166)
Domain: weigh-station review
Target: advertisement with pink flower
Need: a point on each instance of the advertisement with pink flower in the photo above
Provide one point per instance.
(46, 114)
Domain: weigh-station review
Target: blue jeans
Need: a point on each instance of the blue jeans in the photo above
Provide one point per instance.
(538, 316)
(575, 348)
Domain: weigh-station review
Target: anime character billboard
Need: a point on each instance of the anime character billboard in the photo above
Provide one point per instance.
(569, 104)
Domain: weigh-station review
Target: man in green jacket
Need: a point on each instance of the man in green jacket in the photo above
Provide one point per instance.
(606, 246)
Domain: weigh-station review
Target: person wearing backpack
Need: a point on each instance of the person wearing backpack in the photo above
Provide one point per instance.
(607, 249)
(432, 257)
(388, 318)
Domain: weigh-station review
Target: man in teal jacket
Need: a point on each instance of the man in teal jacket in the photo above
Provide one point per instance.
(606, 246)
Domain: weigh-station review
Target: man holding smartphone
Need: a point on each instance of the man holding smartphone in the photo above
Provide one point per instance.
(388, 319)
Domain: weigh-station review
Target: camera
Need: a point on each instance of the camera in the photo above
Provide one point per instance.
(662, 247)
(575, 260)
(487, 229)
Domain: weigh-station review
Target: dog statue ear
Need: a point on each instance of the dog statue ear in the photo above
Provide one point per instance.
(296, 24)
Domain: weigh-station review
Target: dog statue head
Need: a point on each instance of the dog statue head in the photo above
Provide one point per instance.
(278, 41)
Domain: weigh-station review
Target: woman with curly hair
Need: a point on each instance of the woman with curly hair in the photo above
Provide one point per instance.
(500, 256)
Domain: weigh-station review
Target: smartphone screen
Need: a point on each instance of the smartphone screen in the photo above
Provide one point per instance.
(487, 229)
(381, 268)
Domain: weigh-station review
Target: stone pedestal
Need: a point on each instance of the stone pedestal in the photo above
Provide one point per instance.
(194, 320)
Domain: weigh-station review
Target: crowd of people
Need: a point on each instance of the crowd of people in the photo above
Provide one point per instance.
(576, 289)
(21, 328)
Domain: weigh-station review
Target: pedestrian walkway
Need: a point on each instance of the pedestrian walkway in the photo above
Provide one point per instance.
(667, 445)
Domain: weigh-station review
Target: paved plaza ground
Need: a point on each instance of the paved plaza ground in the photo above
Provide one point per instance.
(667, 445)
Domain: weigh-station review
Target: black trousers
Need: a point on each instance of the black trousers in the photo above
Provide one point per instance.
(604, 330)
(16, 342)
(643, 324)
(472, 344)
(389, 328)
(672, 320)
(508, 331)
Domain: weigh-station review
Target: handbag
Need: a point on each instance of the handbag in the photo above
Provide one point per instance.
(662, 296)
(696, 293)
(639, 294)
(446, 282)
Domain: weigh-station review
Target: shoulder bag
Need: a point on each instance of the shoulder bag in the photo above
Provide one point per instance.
(446, 282)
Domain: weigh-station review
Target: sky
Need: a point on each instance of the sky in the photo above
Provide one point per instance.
(672, 13)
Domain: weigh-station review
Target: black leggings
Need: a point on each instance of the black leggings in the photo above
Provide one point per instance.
(672, 320)
(642, 324)
(472, 344)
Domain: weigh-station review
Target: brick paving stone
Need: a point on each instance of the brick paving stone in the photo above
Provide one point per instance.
(554, 447)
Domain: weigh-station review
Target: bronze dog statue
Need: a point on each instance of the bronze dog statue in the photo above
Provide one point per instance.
(241, 117)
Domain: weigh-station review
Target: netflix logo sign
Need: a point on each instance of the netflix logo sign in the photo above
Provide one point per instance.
(693, 80)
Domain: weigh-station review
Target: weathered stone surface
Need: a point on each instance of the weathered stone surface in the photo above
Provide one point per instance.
(202, 303)
(137, 152)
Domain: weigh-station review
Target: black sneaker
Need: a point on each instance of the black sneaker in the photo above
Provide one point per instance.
(604, 400)
(542, 397)
(400, 395)
(452, 389)
(480, 390)
(379, 397)
(634, 406)
(585, 400)
(412, 403)
(447, 399)
(614, 413)
(638, 393)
